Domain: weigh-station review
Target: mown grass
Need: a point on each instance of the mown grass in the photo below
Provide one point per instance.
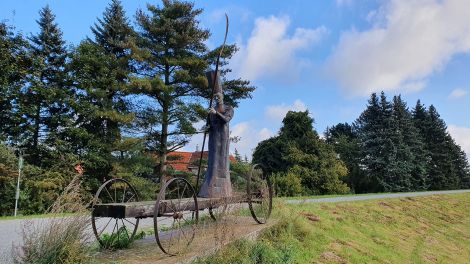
(34, 216)
(431, 229)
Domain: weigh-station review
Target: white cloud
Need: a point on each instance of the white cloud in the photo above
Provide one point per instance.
(271, 52)
(196, 140)
(461, 136)
(278, 112)
(265, 133)
(458, 93)
(249, 137)
(407, 42)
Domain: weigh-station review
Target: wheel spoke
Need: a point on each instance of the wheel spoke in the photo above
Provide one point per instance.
(105, 227)
(133, 195)
(125, 229)
(128, 221)
(110, 196)
(124, 193)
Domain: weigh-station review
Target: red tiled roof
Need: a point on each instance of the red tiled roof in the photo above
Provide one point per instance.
(182, 160)
(179, 160)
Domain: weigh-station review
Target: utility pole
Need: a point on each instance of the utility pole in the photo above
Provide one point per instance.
(20, 167)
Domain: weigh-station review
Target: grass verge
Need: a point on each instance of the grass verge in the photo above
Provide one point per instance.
(431, 229)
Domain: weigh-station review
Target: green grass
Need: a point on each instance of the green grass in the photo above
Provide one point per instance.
(34, 216)
(325, 196)
(120, 239)
(431, 229)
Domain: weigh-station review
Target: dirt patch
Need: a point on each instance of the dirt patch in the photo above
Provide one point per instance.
(311, 217)
(330, 256)
(386, 205)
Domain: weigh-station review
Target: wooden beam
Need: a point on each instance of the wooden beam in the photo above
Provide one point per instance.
(147, 208)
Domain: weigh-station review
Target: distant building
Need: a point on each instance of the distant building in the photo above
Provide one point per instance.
(189, 161)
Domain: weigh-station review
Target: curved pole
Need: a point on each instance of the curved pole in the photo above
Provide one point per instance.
(211, 101)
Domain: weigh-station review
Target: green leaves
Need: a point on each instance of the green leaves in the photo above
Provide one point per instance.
(297, 153)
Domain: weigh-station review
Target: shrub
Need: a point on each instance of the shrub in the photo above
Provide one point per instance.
(287, 184)
(59, 239)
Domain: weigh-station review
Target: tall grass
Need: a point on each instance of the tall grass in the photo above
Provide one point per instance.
(58, 239)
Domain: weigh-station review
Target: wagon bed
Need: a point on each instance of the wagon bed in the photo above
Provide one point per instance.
(177, 207)
(146, 208)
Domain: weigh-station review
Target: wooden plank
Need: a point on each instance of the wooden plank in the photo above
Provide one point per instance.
(147, 208)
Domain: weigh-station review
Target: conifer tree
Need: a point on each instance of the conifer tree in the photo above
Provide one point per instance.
(439, 145)
(113, 32)
(412, 152)
(370, 143)
(238, 157)
(13, 64)
(171, 60)
(101, 68)
(45, 102)
(343, 138)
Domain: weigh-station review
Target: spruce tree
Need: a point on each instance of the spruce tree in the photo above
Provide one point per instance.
(14, 65)
(101, 69)
(171, 60)
(441, 168)
(412, 153)
(113, 32)
(370, 142)
(45, 101)
(343, 138)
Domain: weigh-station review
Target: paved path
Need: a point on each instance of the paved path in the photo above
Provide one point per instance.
(10, 230)
(353, 198)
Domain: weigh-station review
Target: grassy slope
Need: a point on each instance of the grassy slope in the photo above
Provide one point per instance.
(433, 229)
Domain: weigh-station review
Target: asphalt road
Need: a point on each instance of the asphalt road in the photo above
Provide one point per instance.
(10, 230)
(353, 198)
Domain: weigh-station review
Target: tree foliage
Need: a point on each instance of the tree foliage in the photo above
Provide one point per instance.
(299, 152)
(171, 58)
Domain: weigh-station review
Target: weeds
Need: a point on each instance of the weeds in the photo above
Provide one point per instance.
(120, 239)
(58, 239)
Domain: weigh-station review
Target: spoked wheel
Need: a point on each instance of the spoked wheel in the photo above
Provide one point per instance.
(110, 230)
(175, 217)
(260, 195)
(218, 211)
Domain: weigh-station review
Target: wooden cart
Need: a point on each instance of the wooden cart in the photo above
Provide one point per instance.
(175, 212)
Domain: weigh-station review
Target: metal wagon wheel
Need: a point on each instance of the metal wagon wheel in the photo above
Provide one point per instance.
(260, 195)
(114, 191)
(218, 211)
(175, 216)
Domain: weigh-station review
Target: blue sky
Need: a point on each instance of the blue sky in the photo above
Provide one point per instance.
(324, 56)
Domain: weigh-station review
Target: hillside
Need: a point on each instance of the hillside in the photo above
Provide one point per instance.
(433, 229)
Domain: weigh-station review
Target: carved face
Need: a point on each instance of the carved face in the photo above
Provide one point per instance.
(219, 97)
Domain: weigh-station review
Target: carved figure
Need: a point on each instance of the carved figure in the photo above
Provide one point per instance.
(217, 180)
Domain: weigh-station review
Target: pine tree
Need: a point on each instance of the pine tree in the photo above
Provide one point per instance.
(441, 168)
(343, 138)
(101, 68)
(462, 167)
(368, 124)
(45, 102)
(14, 65)
(238, 157)
(171, 60)
(113, 32)
(412, 153)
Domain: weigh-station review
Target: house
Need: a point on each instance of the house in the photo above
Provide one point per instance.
(189, 161)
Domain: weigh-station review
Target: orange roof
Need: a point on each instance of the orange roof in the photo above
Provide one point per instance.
(182, 160)
(179, 160)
